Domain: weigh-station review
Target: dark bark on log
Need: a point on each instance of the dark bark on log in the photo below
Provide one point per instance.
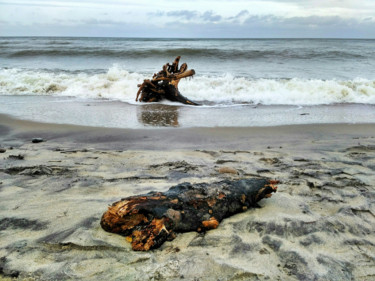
(164, 84)
(149, 220)
(173, 94)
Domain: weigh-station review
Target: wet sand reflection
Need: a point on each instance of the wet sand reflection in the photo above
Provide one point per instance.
(158, 115)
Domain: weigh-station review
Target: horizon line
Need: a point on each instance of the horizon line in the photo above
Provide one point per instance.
(188, 38)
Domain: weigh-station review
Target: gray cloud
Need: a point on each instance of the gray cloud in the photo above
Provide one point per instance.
(156, 14)
(186, 14)
(242, 14)
(87, 28)
(210, 16)
(253, 27)
(271, 26)
(93, 21)
(175, 22)
(306, 23)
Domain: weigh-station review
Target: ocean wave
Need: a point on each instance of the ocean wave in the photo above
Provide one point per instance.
(58, 42)
(217, 53)
(119, 84)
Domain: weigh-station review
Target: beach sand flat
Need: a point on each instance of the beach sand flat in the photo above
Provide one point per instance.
(320, 225)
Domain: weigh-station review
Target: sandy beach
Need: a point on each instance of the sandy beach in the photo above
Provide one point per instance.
(320, 224)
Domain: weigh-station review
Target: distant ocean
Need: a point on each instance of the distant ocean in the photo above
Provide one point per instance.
(229, 72)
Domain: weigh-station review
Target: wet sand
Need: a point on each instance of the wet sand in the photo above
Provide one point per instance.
(320, 224)
(116, 114)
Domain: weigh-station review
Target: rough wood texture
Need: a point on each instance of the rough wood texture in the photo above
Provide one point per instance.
(149, 220)
(164, 84)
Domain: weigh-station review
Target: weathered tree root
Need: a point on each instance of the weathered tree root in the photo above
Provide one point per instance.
(149, 220)
(164, 84)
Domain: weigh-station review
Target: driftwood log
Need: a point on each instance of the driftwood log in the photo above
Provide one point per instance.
(164, 84)
(149, 220)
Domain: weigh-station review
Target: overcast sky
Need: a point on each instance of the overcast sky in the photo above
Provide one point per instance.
(193, 18)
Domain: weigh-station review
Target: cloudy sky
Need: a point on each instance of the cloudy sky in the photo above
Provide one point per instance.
(193, 18)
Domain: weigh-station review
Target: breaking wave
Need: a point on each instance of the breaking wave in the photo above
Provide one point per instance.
(119, 84)
(57, 51)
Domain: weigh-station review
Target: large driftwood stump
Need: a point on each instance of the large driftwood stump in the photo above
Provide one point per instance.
(149, 220)
(164, 84)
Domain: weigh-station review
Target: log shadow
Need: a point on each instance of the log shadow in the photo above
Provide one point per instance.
(158, 115)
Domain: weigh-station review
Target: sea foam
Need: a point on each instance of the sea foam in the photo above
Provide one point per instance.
(120, 84)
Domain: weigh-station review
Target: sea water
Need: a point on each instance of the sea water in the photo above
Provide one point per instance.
(239, 82)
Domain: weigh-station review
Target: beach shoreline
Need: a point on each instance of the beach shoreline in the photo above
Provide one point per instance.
(118, 114)
(13, 130)
(318, 225)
